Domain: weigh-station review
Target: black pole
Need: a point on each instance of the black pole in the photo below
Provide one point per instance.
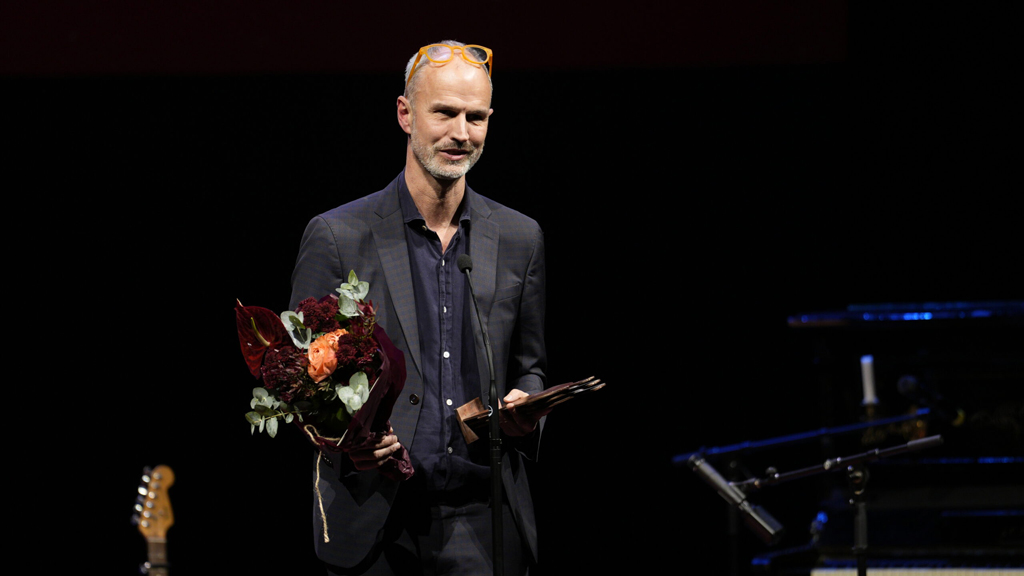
(465, 265)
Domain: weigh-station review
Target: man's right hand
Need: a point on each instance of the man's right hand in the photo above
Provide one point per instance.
(374, 455)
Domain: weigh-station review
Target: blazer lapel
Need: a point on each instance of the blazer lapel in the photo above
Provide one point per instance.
(389, 237)
(483, 248)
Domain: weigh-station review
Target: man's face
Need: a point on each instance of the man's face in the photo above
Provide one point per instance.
(450, 111)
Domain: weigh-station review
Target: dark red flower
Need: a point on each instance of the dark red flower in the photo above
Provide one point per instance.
(258, 330)
(319, 315)
(284, 370)
(347, 353)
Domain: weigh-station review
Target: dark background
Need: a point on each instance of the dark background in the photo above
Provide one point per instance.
(702, 173)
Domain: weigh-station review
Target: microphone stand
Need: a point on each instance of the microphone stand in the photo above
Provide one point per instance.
(465, 265)
(764, 525)
(681, 460)
(857, 475)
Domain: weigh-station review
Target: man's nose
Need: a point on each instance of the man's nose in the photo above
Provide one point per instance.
(460, 129)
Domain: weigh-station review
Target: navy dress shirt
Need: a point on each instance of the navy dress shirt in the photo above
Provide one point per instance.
(440, 455)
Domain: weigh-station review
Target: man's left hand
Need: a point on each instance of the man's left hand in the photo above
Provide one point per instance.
(519, 424)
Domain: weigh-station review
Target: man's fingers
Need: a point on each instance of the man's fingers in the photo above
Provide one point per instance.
(376, 455)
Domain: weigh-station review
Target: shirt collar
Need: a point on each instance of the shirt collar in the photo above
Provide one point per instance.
(410, 213)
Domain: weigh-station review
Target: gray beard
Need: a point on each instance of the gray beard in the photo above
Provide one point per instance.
(440, 168)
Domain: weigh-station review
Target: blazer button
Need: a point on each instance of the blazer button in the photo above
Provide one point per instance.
(414, 399)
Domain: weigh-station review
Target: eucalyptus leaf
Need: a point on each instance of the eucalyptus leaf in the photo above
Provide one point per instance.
(347, 307)
(358, 379)
(301, 336)
(253, 417)
(353, 289)
(272, 427)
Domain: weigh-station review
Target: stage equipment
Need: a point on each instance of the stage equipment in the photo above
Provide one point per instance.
(465, 264)
(959, 368)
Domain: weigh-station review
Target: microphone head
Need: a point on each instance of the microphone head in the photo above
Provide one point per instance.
(465, 263)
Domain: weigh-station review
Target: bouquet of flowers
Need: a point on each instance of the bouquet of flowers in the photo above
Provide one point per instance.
(326, 366)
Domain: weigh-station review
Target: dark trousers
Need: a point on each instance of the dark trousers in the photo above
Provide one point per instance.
(445, 535)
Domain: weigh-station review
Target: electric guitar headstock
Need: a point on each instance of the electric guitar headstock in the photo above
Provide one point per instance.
(153, 516)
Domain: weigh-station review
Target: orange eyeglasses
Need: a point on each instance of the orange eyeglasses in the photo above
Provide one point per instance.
(441, 53)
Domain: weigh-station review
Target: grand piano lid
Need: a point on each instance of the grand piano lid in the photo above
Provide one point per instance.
(891, 313)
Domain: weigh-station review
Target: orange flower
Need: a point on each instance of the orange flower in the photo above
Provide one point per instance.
(322, 358)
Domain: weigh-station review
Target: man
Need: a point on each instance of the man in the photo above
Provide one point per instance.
(405, 241)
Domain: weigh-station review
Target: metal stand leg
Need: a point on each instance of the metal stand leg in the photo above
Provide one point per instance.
(858, 478)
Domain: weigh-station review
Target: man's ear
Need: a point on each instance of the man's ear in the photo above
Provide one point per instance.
(405, 114)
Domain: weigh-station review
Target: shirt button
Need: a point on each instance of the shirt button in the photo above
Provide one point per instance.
(446, 354)
(450, 449)
(448, 401)
(414, 399)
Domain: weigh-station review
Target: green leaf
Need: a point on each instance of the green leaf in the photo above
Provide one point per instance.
(272, 427)
(300, 335)
(353, 290)
(253, 417)
(358, 379)
(347, 307)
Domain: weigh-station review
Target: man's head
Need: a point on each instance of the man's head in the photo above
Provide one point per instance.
(440, 53)
(445, 109)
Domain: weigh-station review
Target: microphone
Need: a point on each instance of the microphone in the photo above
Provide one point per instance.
(756, 518)
(909, 387)
(465, 264)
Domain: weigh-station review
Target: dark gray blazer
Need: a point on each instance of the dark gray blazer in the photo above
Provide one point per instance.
(368, 236)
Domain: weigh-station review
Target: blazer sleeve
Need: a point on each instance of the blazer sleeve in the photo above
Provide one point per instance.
(528, 356)
(318, 265)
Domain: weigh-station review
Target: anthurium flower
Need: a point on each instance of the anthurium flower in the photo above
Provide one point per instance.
(258, 330)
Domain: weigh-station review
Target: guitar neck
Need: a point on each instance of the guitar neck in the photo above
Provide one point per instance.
(157, 565)
(153, 516)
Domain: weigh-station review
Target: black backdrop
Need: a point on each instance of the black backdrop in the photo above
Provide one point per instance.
(693, 197)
